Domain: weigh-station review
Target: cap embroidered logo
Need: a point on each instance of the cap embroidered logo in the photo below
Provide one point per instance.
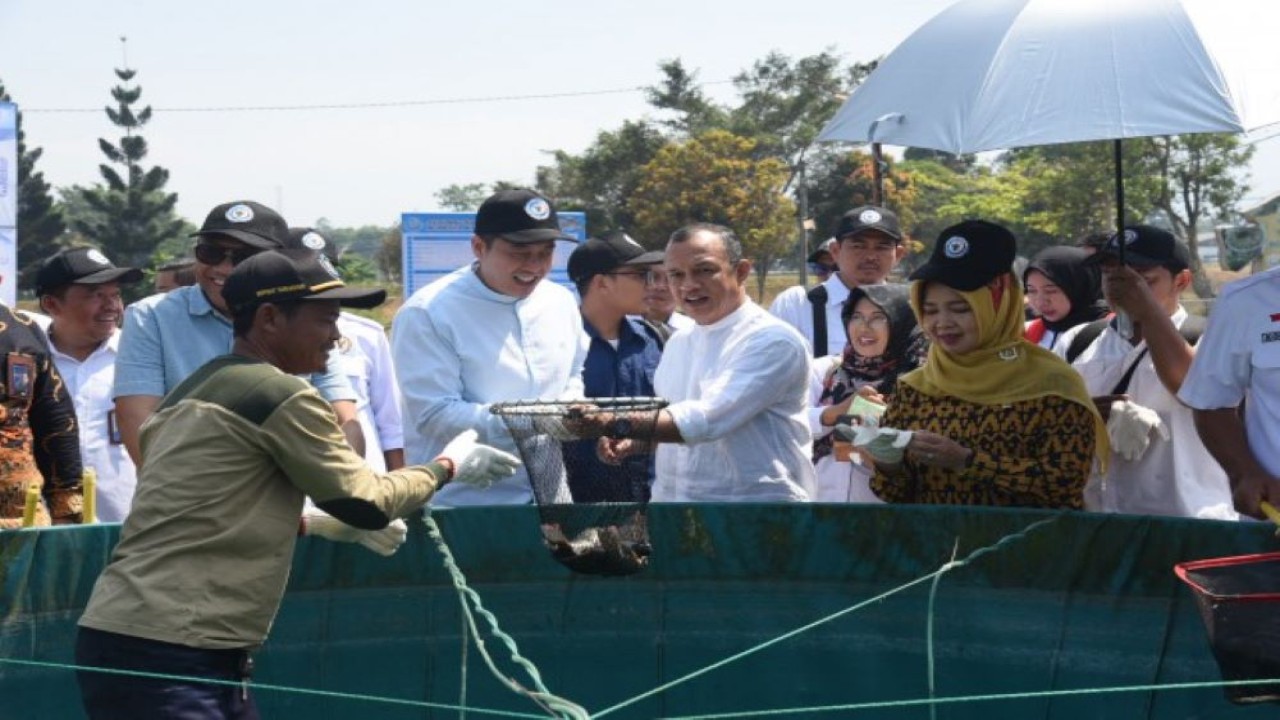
(239, 213)
(868, 217)
(313, 240)
(97, 257)
(956, 247)
(538, 209)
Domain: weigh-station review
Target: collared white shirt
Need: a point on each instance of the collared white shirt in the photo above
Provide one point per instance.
(1239, 357)
(838, 481)
(1176, 477)
(459, 347)
(89, 383)
(739, 396)
(792, 306)
(364, 354)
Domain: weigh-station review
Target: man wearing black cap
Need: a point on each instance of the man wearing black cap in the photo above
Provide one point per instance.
(489, 332)
(868, 244)
(203, 557)
(1158, 465)
(166, 337)
(611, 274)
(80, 290)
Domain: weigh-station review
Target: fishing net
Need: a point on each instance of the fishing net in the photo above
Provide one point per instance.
(1239, 600)
(594, 513)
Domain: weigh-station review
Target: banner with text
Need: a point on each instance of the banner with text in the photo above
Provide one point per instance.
(436, 244)
(8, 203)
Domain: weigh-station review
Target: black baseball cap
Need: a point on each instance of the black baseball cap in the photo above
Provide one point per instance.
(519, 216)
(868, 217)
(601, 255)
(1144, 246)
(828, 246)
(81, 266)
(305, 238)
(294, 274)
(969, 255)
(249, 222)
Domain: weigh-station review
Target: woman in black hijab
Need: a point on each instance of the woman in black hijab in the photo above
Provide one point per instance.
(1063, 291)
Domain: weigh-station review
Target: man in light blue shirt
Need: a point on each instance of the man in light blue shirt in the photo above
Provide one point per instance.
(166, 337)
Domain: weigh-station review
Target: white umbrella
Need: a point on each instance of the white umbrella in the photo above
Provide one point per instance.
(992, 74)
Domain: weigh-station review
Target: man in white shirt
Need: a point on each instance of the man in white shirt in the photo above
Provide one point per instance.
(1239, 358)
(489, 332)
(364, 356)
(1158, 466)
(868, 246)
(737, 428)
(80, 290)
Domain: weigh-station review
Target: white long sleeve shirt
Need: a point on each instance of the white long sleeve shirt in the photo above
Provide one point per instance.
(459, 347)
(1238, 357)
(739, 396)
(1176, 477)
(365, 358)
(792, 307)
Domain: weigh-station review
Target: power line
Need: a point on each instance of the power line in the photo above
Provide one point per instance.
(375, 105)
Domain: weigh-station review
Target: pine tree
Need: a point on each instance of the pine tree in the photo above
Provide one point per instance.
(136, 215)
(40, 221)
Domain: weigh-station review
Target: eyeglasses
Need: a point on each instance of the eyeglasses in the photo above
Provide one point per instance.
(875, 322)
(210, 254)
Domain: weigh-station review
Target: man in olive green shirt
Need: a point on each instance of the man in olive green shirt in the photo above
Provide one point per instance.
(204, 555)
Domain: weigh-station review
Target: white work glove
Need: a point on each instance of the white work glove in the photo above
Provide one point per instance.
(385, 542)
(886, 445)
(555, 427)
(478, 465)
(1130, 427)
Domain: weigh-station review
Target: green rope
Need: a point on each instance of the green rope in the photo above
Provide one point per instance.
(956, 699)
(833, 616)
(928, 632)
(467, 597)
(256, 686)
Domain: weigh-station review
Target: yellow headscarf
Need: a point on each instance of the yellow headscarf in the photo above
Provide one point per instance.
(1004, 368)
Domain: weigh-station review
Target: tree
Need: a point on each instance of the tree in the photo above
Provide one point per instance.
(601, 181)
(462, 198)
(390, 258)
(40, 223)
(134, 214)
(716, 177)
(1198, 179)
(679, 93)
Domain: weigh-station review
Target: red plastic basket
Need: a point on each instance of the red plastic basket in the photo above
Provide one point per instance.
(1239, 600)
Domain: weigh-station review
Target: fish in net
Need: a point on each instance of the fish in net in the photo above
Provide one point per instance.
(593, 513)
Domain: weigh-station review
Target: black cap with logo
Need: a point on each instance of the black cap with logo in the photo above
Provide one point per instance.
(81, 266)
(1144, 246)
(519, 216)
(249, 222)
(868, 217)
(597, 256)
(969, 255)
(311, 239)
(296, 274)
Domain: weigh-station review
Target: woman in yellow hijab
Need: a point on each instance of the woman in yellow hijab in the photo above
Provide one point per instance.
(996, 420)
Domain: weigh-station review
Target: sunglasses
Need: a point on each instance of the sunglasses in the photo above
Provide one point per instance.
(210, 254)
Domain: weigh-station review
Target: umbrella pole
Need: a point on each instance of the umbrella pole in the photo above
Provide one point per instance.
(877, 175)
(1119, 163)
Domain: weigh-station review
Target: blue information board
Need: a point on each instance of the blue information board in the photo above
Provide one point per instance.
(436, 244)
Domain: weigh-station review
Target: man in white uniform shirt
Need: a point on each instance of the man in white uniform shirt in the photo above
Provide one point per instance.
(1158, 465)
(80, 290)
(489, 332)
(868, 246)
(737, 427)
(1239, 358)
(364, 356)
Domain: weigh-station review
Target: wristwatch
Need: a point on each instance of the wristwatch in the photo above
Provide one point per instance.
(620, 428)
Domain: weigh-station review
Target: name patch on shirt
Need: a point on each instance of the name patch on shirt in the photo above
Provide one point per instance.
(1271, 336)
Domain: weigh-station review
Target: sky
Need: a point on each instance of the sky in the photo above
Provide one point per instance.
(365, 166)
